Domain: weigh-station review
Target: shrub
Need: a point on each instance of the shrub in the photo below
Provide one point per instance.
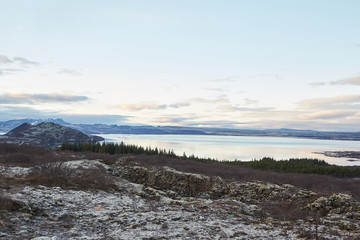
(53, 169)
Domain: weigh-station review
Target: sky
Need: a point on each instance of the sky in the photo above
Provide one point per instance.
(203, 63)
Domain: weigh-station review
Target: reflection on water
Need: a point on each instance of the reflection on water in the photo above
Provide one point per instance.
(241, 148)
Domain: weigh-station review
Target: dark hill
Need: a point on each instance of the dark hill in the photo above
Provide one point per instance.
(47, 134)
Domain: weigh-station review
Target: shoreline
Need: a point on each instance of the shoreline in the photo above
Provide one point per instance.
(353, 155)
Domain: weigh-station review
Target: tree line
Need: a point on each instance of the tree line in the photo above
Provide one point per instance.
(302, 165)
(299, 165)
(115, 148)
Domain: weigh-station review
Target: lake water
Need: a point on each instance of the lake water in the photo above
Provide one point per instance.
(241, 148)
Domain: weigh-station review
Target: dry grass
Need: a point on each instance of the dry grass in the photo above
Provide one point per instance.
(49, 168)
(28, 156)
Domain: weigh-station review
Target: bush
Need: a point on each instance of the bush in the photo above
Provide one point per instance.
(54, 169)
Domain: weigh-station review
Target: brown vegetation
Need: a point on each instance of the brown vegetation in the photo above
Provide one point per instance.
(26, 156)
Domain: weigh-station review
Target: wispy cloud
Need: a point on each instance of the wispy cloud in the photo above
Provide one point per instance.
(231, 108)
(345, 101)
(94, 118)
(219, 90)
(69, 71)
(173, 119)
(191, 120)
(215, 123)
(140, 106)
(349, 81)
(198, 100)
(316, 84)
(155, 106)
(250, 101)
(16, 64)
(355, 80)
(25, 98)
(16, 112)
(5, 59)
(330, 114)
(210, 101)
(23, 60)
(179, 105)
(4, 71)
(225, 79)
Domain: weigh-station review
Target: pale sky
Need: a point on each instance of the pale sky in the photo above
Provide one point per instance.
(225, 63)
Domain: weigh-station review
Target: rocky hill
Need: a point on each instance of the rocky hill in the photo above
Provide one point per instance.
(46, 134)
(97, 199)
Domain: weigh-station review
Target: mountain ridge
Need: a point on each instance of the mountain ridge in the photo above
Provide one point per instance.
(148, 129)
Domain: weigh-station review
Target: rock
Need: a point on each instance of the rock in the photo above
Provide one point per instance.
(336, 204)
(165, 178)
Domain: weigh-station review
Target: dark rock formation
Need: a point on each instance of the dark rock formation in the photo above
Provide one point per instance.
(165, 178)
(47, 134)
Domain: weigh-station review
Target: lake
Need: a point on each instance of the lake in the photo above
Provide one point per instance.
(241, 148)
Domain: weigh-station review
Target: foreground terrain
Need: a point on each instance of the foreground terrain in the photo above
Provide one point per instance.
(65, 195)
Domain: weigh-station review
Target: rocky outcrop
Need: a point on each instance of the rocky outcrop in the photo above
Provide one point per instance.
(47, 134)
(336, 204)
(165, 178)
(198, 185)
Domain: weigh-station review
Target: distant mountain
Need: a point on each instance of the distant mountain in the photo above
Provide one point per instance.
(11, 124)
(125, 129)
(46, 134)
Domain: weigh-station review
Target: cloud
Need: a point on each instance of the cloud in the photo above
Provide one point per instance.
(215, 123)
(191, 120)
(185, 103)
(154, 106)
(94, 118)
(219, 90)
(24, 98)
(316, 84)
(17, 64)
(225, 79)
(16, 112)
(348, 81)
(231, 108)
(330, 114)
(4, 71)
(210, 101)
(5, 59)
(345, 101)
(250, 101)
(179, 105)
(170, 120)
(69, 71)
(140, 106)
(23, 60)
(189, 102)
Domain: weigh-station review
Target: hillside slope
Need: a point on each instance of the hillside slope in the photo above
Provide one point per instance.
(46, 134)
